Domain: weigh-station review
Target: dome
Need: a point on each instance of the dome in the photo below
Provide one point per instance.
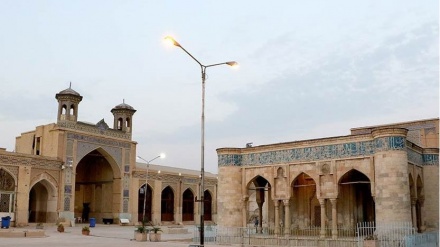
(123, 106)
(69, 91)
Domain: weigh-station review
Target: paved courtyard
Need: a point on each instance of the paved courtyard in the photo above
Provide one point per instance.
(100, 235)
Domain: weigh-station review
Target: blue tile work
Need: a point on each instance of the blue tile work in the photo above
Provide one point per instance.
(430, 159)
(68, 189)
(414, 157)
(337, 151)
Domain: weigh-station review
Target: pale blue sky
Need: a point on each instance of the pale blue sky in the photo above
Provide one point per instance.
(308, 69)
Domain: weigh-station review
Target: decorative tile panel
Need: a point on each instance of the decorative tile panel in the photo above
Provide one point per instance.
(94, 129)
(67, 203)
(337, 151)
(125, 206)
(430, 159)
(68, 189)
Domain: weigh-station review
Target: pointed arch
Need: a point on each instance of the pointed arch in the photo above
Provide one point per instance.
(43, 199)
(355, 198)
(167, 204)
(9, 181)
(145, 198)
(188, 205)
(259, 200)
(97, 182)
(207, 206)
(305, 205)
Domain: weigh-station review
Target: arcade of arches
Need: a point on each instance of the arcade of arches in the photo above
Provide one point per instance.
(377, 174)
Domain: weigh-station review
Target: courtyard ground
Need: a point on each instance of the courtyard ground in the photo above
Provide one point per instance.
(100, 236)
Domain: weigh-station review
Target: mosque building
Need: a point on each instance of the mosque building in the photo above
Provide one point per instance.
(75, 171)
(380, 174)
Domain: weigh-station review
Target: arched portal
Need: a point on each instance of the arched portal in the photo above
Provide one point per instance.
(167, 204)
(38, 203)
(95, 188)
(188, 206)
(43, 202)
(305, 205)
(144, 201)
(207, 206)
(355, 202)
(259, 192)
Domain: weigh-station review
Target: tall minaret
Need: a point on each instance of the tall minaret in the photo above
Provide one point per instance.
(123, 117)
(68, 101)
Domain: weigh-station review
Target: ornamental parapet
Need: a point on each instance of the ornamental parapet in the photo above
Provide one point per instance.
(340, 148)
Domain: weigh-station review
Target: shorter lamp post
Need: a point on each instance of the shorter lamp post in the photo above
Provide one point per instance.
(146, 181)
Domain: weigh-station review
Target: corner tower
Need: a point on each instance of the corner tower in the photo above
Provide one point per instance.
(68, 101)
(123, 117)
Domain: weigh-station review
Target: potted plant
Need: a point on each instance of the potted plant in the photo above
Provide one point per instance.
(371, 241)
(39, 225)
(60, 227)
(141, 233)
(85, 230)
(155, 235)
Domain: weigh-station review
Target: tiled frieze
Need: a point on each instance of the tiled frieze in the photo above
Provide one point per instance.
(336, 151)
(94, 129)
(97, 140)
(430, 159)
(27, 161)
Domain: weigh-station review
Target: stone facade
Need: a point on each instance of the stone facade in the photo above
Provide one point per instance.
(78, 170)
(385, 173)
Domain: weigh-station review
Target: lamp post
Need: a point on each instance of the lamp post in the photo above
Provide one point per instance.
(202, 175)
(146, 182)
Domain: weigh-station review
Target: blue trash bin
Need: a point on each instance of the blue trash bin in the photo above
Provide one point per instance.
(92, 222)
(6, 221)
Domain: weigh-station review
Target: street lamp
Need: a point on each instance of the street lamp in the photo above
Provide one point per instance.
(202, 177)
(162, 155)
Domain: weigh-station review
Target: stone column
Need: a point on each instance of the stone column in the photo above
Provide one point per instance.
(422, 216)
(414, 212)
(229, 196)
(22, 196)
(277, 217)
(334, 219)
(391, 176)
(245, 210)
(178, 217)
(286, 217)
(323, 218)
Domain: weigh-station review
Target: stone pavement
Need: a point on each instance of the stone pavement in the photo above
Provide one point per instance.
(100, 236)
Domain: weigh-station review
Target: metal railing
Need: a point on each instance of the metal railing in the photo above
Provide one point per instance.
(388, 235)
(428, 239)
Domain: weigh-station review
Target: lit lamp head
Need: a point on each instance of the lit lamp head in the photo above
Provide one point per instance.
(172, 41)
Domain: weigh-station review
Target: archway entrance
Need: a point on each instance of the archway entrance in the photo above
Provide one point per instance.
(207, 206)
(167, 204)
(306, 209)
(355, 201)
(259, 192)
(43, 202)
(95, 190)
(141, 196)
(188, 206)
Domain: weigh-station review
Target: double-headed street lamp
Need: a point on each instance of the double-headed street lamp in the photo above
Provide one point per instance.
(146, 181)
(202, 175)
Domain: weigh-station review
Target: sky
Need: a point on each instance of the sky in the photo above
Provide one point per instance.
(308, 69)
